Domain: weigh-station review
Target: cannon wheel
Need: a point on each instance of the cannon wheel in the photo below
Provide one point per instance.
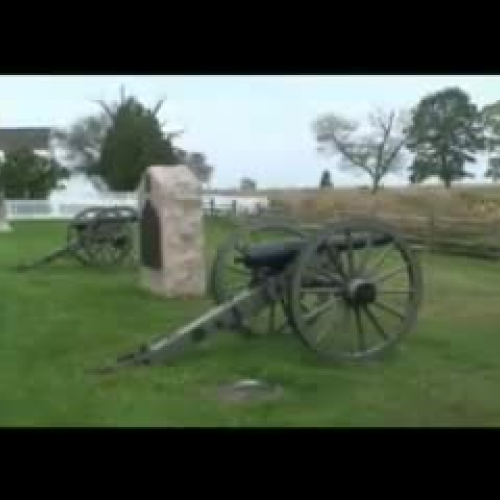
(131, 215)
(228, 277)
(75, 237)
(363, 300)
(109, 239)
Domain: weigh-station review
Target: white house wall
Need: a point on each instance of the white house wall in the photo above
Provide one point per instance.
(78, 187)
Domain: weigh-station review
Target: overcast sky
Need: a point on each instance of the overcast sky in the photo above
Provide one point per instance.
(256, 126)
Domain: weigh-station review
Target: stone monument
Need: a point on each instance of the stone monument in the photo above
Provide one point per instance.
(171, 235)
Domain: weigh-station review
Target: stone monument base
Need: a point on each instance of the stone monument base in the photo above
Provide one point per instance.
(157, 284)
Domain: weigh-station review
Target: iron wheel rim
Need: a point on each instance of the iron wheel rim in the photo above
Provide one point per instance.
(76, 238)
(303, 320)
(101, 242)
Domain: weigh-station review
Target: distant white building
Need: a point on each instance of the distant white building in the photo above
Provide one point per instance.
(78, 186)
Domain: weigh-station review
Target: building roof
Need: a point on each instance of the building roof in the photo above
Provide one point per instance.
(12, 139)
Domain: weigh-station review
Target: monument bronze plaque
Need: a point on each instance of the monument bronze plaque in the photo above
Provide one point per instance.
(147, 184)
(150, 235)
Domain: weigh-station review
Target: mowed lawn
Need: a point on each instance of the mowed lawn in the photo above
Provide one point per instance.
(59, 320)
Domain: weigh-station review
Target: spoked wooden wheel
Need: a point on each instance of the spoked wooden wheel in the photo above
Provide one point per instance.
(77, 232)
(109, 240)
(130, 216)
(230, 277)
(355, 292)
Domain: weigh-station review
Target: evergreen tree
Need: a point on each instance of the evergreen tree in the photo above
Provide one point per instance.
(133, 142)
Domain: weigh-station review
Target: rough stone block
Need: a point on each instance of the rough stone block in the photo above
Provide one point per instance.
(172, 260)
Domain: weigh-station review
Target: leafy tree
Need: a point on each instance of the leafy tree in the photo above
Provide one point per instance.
(197, 163)
(25, 175)
(491, 121)
(447, 130)
(493, 169)
(326, 180)
(420, 169)
(248, 184)
(376, 153)
(490, 116)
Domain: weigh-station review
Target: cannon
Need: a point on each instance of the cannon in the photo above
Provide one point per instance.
(350, 291)
(96, 237)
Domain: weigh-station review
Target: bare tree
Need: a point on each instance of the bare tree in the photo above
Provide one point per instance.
(83, 141)
(377, 152)
(493, 171)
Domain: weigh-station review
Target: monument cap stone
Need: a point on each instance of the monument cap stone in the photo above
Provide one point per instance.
(172, 260)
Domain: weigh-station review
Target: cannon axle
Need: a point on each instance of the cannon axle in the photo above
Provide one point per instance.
(361, 292)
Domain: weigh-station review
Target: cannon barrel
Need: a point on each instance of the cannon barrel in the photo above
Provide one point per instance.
(277, 255)
(104, 220)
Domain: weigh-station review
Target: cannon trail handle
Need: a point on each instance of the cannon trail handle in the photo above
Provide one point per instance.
(56, 254)
(224, 317)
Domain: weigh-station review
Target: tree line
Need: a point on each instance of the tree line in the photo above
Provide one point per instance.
(440, 136)
(443, 133)
(115, 145)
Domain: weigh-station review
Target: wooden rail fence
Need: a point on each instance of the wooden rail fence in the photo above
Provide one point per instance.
(439, 234)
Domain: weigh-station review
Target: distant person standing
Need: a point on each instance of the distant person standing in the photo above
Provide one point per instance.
(326, 180)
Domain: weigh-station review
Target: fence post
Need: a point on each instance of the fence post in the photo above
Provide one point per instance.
(212, 207)
(234, 206)
(498, 238)
(431, 228)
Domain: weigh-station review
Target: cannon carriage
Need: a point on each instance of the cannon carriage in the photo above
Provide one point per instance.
(350, 291)
(97, 237)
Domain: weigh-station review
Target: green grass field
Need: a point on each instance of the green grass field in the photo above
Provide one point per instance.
(62, 319)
